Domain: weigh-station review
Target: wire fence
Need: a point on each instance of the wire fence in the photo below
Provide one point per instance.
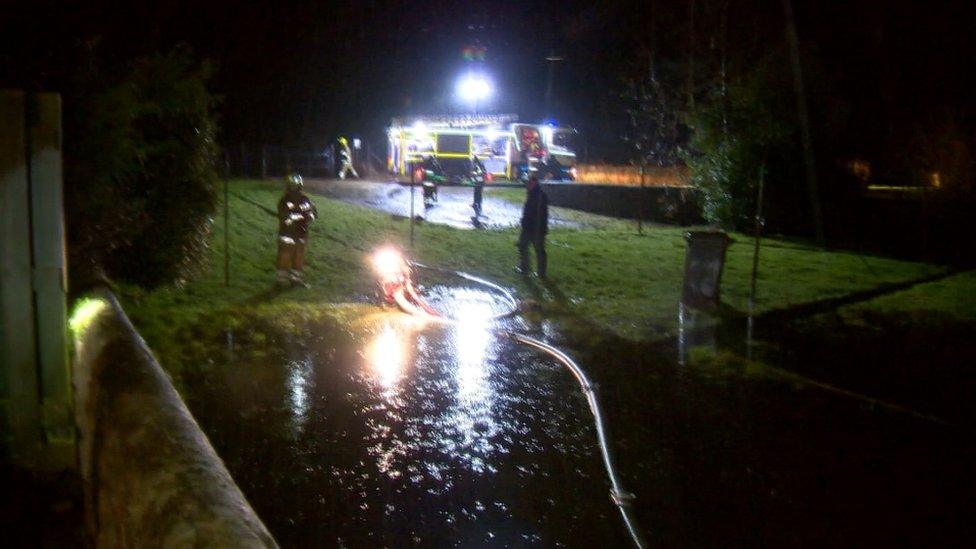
(247, 160)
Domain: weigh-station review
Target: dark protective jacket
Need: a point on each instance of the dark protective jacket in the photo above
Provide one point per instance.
(535, 212)
(295, 212)
(478, 170)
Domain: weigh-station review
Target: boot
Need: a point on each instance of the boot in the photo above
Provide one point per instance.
(297, 279)
(283, 279)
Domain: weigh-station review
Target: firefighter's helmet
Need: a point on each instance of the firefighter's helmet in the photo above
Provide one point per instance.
(343, 141)
(294, 182)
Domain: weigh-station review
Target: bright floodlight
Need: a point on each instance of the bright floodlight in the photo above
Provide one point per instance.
(474, 87)
(388, 264)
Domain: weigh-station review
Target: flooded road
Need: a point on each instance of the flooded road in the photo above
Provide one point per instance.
(401, 434)
(453, 207)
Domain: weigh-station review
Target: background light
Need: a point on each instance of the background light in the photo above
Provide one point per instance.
(474, 87)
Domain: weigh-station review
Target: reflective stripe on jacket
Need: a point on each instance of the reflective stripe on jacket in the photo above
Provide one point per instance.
(295, 212)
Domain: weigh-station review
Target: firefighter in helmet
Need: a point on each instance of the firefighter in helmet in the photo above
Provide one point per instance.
(345, 157)
(478, 178)
(295, 213)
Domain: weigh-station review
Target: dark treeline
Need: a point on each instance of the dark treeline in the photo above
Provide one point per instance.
(710, 83)
(300, 72)
(714, 84)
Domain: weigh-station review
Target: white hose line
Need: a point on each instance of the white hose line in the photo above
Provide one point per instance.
(512, 302)
(620, 497)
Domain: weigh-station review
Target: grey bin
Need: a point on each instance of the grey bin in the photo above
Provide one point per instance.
(704, 261)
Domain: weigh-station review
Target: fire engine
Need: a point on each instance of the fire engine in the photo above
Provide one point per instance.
(509, 150)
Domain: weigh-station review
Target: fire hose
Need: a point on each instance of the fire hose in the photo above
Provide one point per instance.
(406, 297)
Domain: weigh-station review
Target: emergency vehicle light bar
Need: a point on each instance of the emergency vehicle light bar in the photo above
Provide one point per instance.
(456, 120)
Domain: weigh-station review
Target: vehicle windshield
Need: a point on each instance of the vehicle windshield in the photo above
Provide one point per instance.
(564, 139)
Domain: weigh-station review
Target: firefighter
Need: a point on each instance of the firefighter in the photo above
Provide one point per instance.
(433, 173)
(552, 169)
(295, 212)
(535, 225)
(345, 155)
(478, 175)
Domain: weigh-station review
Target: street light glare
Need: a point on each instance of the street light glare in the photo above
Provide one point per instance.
(474, 87)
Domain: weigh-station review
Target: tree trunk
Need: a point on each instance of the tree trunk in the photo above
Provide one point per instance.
(691, 55)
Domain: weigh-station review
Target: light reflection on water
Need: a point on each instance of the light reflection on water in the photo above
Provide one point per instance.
(464, 428)
(297, 385)
(440, 435)
(451, 436)
(470, 416)
(388, 354)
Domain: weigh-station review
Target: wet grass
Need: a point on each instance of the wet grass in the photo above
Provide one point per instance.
(913, 347)
(619, 281)
(952, 299)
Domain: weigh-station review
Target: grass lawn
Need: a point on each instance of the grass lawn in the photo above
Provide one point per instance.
(950, 299)
(624, 283)
(510, 194)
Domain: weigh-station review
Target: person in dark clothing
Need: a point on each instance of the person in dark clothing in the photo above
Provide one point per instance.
(295, 212)
(478, 175)
(552, 169)
(535, 225)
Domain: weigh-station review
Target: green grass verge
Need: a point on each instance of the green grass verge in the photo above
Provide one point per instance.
(933, 304)
(509, 194)
(622, 282)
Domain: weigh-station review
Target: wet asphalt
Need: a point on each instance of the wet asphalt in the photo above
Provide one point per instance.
(453, 207)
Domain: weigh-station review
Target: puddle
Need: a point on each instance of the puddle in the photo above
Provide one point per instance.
(403, 434)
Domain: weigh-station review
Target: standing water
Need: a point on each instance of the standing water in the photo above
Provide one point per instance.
(409, 434)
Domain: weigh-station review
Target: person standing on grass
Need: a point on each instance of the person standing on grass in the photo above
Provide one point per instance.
(478, 173)
(295, 212)
(535, 225)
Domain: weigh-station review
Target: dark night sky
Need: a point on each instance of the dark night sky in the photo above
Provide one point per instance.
(299, 72)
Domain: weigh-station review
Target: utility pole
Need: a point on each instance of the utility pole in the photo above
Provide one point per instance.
(759, 224)
(803, 113)
(243, 161)
(226, 234)
(552, 59)
(412, 220)
(640, 199)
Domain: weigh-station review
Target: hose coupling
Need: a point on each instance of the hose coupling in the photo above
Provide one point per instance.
(622, 499)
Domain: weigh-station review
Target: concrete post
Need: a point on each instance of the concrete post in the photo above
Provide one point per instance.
(18, 375)
(50, 275)
(35, 379)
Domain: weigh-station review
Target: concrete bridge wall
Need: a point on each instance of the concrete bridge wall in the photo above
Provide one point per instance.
(151, 477)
